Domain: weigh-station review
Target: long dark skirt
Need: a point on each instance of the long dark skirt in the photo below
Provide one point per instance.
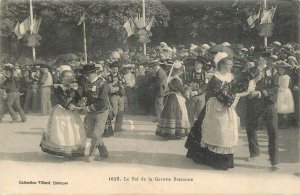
(202, 155)
(171, 125)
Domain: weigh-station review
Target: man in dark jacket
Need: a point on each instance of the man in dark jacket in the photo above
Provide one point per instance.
(12, 87)
(262, 103)
(117, 92)
(197, 81)
(160, 87)
(96, 93)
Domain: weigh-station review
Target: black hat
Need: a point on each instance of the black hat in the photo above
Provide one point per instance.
(254, 72)
(115, 64)
(261, 51)
(154, 62)
(167, 62)
(201, 59)
(9, 68)
(41, 65)
(88, 68)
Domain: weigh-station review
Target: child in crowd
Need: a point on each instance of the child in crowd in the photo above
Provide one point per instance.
(285, 100)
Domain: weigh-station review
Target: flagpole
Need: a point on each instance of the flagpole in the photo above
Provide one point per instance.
(144, 21)
(265, 38)
(31, 27)
(84, 41)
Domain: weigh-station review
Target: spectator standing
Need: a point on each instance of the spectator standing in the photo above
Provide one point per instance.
(117, 92)
(129, 79)
(285, 99)
(3, 95)
(197, 80)
(46, 84)
(160, 87)
(30, 91)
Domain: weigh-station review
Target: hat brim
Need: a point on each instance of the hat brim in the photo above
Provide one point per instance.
(200, 60)
(8, 68)
(114, 66)
(263, 54)
(282, 66)
(82, 71)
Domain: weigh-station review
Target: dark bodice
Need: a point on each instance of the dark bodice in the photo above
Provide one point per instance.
(176, 86)
(66, 97)
(225, 93)
(97, 95)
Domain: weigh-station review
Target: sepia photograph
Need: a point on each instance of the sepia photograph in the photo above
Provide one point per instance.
(150, 97)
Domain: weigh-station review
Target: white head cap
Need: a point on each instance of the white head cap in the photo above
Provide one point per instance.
(8, 65)
(115, 55)
(277, 43)
(205, 46)
(250, 64)
(163, 44)
(226, 44)
(64, 67)
(193, 46)
(177, 64)
(220, 56)
(275, 57)
(293, 58)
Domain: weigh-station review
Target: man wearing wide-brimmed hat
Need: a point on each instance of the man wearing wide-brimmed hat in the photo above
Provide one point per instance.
(12, 87)
(262, 103)
(197, 80)
(117, 92)
(97, 107)
(46, 84)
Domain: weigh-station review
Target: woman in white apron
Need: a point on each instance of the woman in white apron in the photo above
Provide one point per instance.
(65, 134)
(215, 133)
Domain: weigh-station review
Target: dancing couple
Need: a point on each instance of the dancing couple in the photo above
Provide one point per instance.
(66, 134)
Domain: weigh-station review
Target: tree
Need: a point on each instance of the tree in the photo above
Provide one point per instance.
(59, 28)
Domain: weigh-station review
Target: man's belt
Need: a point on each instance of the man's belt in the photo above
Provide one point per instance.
(117, 93)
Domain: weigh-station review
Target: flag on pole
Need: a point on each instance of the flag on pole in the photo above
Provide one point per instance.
(17, 31)
(139, 22)
(25, 26)
(267, 16)
(128, 28)
(235, 3)
(252, 19)
(132, 26)
(149, 25)
(82, 18)
(36, 25)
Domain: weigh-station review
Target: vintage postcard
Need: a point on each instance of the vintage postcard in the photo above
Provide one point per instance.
(149, 97)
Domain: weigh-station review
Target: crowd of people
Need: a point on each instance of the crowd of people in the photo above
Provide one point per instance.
(195, 91)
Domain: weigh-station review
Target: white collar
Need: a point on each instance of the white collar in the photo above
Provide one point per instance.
(228, 77)
(198, 71)
(262, 67)
(157, 68)
(173, 77)
(94, 80)
(64, 88)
